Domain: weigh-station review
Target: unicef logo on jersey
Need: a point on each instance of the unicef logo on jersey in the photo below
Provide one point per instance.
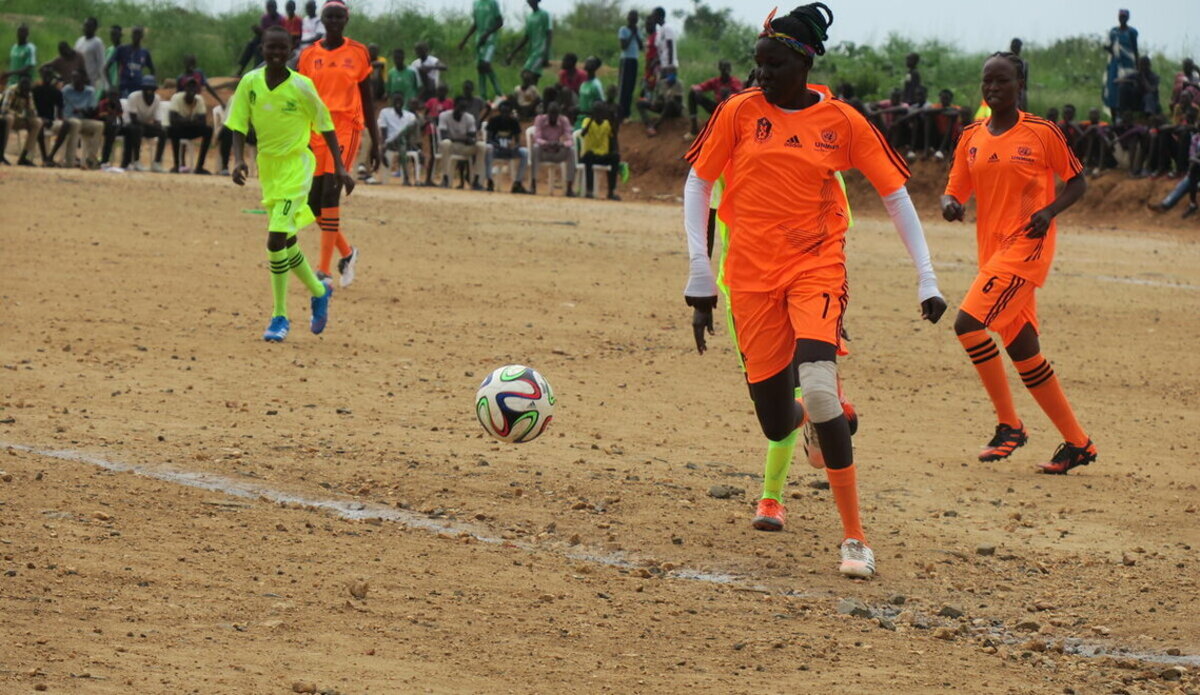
(828, 140)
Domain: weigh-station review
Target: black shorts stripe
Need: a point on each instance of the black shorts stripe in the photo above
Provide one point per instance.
(1002, 301)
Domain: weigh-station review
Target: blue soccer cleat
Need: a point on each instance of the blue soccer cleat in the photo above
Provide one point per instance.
(320, 309)
(278, 330)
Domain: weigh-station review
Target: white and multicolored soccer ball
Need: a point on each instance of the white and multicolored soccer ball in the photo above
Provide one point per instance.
(515, 404)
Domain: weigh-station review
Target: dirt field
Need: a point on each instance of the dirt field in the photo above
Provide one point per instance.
(325, 515)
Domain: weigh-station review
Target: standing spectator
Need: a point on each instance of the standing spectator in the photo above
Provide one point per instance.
(21, 58)
(599, 145)
(650, 70)
(191, 72)
(591, 92)
(294, 23)
(457, 131)
(133, 61)
(1186, 80)
(91, 49)
(527, 96)
(1122, 47)
(539, 30)
(631, 47)
(1147, 83)
(1014, 47)
(66, 62)
(20, 113)
(48, 101)
(142, 109)
(434, 107)
(487, 22)
(403, 79)
(553, 141)
(112, 114)
(112, 73)
(912, 80)
(723, 86)
(504, 142)
(570, 76)
(252, 53)
(396, 126)
(666, 41)
(428, 68)
(666, 101)
(187, 116)
(311, 28)
(79, 110)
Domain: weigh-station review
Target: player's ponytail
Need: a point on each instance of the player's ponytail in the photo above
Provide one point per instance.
(804, 29)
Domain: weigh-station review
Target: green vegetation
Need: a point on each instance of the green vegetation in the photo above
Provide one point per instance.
(1068, 71)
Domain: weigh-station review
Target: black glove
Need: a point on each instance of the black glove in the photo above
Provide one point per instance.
(932, 309)
(702, 318)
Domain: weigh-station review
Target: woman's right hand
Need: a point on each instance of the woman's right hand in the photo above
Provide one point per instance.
(952, 210)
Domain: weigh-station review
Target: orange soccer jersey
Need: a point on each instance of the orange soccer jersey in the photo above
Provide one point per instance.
(1012, 176)
(784, 208)
(337, 74)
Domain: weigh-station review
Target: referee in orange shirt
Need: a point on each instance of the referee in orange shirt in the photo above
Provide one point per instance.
(1009, 162)
(779, 147)
(341, 70)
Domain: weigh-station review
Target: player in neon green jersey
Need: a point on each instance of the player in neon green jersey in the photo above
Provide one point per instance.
(284, 109)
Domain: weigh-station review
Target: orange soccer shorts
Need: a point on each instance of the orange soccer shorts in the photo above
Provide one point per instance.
(349, 139)
(1003, 302)
(768, 324)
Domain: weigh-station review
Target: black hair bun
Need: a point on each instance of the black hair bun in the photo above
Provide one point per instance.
(808, 23)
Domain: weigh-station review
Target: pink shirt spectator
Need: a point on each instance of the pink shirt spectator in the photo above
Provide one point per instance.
(547, 133)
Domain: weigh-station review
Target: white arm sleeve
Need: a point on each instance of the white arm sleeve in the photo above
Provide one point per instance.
(696, 196)
(908, 226)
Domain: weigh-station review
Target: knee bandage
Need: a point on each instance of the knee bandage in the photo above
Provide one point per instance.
(818, 380)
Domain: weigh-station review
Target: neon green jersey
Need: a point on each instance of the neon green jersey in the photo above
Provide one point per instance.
(284, 117)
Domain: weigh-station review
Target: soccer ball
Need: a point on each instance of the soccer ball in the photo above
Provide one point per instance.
(515, 404)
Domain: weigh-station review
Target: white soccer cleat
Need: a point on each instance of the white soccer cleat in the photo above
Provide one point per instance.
(858, 561)
(346, 267)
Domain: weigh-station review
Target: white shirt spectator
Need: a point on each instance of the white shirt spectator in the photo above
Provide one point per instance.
(92, 51)
(311, 31)
(395, 123)
(664, 34)
(180, 106)
(457, 130)
(435, 76)
(146, 113)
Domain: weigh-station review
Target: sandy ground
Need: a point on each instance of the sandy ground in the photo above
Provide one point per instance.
(594, 558)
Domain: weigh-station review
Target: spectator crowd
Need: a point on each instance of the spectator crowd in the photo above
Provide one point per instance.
(74, 109)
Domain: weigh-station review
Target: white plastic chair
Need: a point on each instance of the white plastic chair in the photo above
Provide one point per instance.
(580, 174)
(454, 158)
(562, 166)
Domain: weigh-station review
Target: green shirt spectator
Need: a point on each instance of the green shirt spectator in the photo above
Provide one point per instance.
(22, 59)
(538, 30)
(402, 78)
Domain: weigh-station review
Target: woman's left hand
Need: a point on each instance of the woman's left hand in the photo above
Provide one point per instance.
(1039, 224)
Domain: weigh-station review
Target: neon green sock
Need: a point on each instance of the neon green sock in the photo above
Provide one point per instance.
(299, 265)
(779, 460)
(279, 280)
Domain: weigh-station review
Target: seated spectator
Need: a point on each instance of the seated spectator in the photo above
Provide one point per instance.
(402, 78)
(1186, 80)
(142, 109)
(132, 62)
(883, 113)
(187, 114)
(1169, 144)
(666, 101)
(942, 125)
(591, 92)
(599, 145)
(477, 107)
(398, 128)
(1052, 114)
(570, 76)
(48, 101)
(66, 63)
(20, 113)
(457, 132)
(554, 142)
(79, 110)
(1095, 147)
(434, 107)
(504, 142)
(191, 72)
(1070, 129)
(723, 86)
(527, 96)
(908, 131)
(110, 111)
(1188, 184)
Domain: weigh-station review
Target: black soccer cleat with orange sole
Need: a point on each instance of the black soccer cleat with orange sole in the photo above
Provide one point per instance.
(1006, 440)
(1067, 457)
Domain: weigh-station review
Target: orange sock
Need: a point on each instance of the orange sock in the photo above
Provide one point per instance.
(844, 484)
(985, 355)
(333, 217)
(328, 241)
(1039, 378)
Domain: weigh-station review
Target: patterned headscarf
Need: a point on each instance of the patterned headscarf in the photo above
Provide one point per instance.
(790, 41)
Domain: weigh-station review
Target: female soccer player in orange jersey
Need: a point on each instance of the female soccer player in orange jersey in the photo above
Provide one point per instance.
(1009, 161)
(779, 147)
(341, 70)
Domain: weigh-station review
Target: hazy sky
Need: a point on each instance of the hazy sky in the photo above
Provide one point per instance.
(1172, 26)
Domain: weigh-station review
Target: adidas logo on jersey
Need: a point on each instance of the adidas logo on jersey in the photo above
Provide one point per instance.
(993, 159)
(793, 141)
